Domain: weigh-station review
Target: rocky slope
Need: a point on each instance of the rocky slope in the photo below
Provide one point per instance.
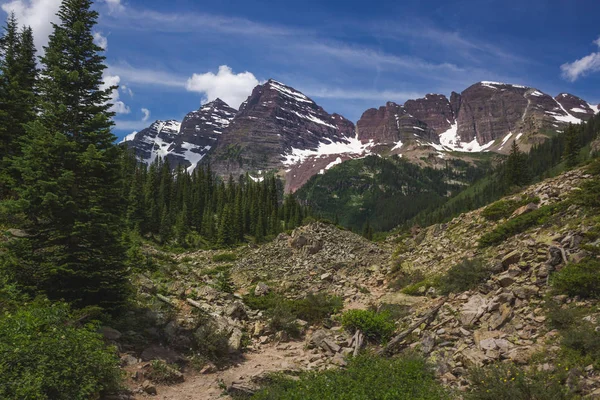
(503, 319)
(280, 129)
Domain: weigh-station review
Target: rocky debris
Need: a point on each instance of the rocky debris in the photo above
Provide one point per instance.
(503, 318)
(157, 352)
(316, 257)
(110, 334)
(149, 388)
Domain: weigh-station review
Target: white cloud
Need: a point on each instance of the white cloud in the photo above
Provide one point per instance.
(583, 66)
(146, 114)
(114, 6)
(146, 76)
(119, 106)
(38, 14)
(101, 40)
(126, 89)
(229, 87)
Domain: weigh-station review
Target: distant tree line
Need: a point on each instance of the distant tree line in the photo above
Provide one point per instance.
(180, 207)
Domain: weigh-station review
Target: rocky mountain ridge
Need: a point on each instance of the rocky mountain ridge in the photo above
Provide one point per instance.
(280, 129)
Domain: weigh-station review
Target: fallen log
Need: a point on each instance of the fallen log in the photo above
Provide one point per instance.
(166, 300)
(426, 319)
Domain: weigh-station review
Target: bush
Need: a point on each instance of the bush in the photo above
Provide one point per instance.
(44, 356)
(224, 257)
(463, 276)
(521, 223)
(421, 287)
(505, 208)
(210, 342)
(314, 308)
(581, 279)
(367, 377)
(375, 326)
(510, 382)
(161, 372)
(284, 319)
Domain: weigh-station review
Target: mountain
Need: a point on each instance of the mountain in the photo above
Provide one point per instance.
(280, 129)
(185, 143)
(276, 127)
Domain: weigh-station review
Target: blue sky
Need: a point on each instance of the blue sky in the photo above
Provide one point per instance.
(348, 55)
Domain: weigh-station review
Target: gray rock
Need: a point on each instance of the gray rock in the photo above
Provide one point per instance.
(261, 289)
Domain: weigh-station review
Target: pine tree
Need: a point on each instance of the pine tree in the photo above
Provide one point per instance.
(17, 97)
(572, 146)
(516, 168)
(71, 175)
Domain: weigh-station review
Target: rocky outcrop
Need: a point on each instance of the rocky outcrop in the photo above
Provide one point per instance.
(434, 110)
(394, 125)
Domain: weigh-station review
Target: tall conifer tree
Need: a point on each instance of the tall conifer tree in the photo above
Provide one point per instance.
(70, 169)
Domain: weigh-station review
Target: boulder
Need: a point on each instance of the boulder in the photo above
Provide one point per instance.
(236, 311)
(472, 310)
(110, 333)
(157, 352)
(524, 210)
(511, 258)
(261, 289)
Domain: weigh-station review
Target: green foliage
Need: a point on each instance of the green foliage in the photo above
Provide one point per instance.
(581, 279)
(420, 288)
(161, 372)
(504, 208)
(43, 355)
(375, 326)
(511, 382)
(210, 342)
(521, 223)
(375, 194)
(407, 377)
(199, 208)
(464, 276)
(224, 257)
(314, 308)
(70, 176)
(516, 169)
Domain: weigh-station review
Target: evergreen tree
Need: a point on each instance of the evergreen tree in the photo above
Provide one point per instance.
(17, 96)
(572, 146)
(516, 167)
(70, 169)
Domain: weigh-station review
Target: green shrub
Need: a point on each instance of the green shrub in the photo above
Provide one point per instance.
(581, 279)
(375, 326)
(210, 342)
(284, 319)
(464, 276)
(505, 208)
(581, 343)
(510, 382)
(224, 257)
(43, 355)
(314, 308)
(161, 372)
(521, 223)
(421, 287)
(367, 377)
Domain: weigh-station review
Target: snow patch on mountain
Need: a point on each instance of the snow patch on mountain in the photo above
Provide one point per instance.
(450, 141)
(352, 146)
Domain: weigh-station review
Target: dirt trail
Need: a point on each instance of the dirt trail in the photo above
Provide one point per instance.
(269, 358)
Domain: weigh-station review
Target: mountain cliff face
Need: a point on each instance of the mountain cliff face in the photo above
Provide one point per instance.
(280, 129)
(275, 121)
(184, 143)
